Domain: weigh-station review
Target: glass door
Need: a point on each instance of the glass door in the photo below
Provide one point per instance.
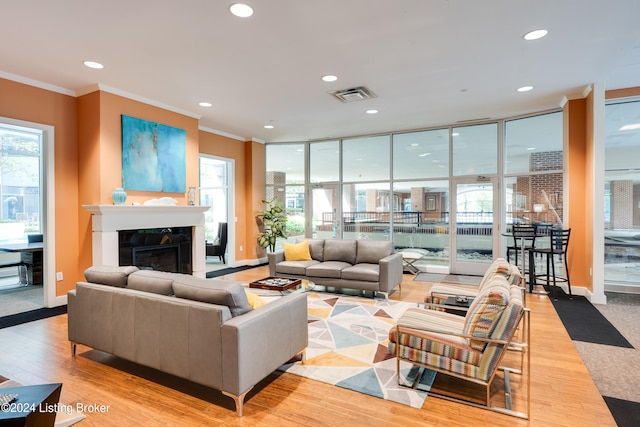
(474, 211)
(214, 192)
(325, 212)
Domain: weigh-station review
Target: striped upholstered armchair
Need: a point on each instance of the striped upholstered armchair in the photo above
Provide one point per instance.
(441, 292)
(469, 347)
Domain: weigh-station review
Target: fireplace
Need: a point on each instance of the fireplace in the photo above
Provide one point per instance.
(162, 249)
(108, 221)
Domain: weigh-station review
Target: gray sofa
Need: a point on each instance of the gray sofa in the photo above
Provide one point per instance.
(202, 330)
(368, 265)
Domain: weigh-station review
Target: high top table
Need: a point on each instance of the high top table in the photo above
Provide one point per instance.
(30, 253)
(532, 274)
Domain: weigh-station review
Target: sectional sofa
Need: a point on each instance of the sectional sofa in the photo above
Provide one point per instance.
(368, 265)
(203, 330)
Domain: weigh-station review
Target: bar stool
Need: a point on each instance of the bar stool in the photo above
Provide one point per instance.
(527, 232)
(524, 239)
(558, 245)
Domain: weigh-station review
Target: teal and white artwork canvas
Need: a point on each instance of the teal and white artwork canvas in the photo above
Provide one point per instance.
(153, 156)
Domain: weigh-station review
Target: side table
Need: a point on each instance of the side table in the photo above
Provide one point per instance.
(35, 406)
(409, 258)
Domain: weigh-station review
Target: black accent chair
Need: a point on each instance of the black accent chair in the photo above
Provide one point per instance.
(558, 245)
(220, 246)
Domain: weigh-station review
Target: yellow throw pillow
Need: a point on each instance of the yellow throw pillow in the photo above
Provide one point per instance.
(297, 251)
(254, 300)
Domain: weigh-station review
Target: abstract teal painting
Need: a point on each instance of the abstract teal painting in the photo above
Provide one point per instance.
(153, 156)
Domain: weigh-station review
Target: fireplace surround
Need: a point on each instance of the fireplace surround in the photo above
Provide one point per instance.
(107, 221)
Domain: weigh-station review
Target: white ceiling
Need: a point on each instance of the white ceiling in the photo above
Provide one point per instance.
(430, 62)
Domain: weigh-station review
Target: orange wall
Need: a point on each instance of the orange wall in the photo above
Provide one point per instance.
(255, 154)
(580, 193)
(244, 169)
(28, 103)
(100, 154)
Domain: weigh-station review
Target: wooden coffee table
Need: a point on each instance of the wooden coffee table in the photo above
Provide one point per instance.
(281, 284)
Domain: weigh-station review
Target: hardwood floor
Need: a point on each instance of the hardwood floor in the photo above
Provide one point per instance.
(562, 392)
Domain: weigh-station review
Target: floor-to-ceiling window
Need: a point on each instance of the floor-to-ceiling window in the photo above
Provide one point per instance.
(366, 195)
(622, 196)
(421, 179)
(285, 183)
(533, 168)
(438, 192)
(324, 179)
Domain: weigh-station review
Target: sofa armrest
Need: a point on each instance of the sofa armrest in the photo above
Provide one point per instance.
(274, 258)
(257, 343)
(390, 272)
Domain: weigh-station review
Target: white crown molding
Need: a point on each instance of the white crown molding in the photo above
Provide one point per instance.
(563, 101)
(221, 133)
(142, 99)
(587, 90)
(259, 141)
(36, 83)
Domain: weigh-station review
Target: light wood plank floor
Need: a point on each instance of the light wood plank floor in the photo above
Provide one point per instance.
(563, 393)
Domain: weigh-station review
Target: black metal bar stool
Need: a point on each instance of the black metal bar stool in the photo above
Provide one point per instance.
(558, 245)
(524, 241)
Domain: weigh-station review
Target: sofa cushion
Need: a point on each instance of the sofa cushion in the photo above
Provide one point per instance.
(299, 268)
(157, 282)
(297, 251)
(316, 249)
(331, 269)
(340, 250)
(485, 310)
(109, 275)
(214, 291)
(372, 251)
(362, 272)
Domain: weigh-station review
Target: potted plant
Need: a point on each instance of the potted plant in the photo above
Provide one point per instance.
(272, 221)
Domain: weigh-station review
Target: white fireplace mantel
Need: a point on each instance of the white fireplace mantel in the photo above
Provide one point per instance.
(107, 220)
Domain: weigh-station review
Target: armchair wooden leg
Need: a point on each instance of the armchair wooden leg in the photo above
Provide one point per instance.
(73, 349)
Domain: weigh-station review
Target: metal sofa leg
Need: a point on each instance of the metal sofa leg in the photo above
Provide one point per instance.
(238, 399)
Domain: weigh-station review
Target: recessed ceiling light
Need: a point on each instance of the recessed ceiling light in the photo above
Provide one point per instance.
(371, 111)
(525, 88)
(241, 10)
(531, 148)
(415, 144)
(268, 126)
(535, 34)
(455, 134)
(329, 78)
(205, 104)
(93, 64)
(424, 154)
(633, 126)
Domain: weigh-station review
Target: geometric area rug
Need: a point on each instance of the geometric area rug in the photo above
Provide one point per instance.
(348, 338)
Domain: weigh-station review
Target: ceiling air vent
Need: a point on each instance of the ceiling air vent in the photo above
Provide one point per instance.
(359, 93)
